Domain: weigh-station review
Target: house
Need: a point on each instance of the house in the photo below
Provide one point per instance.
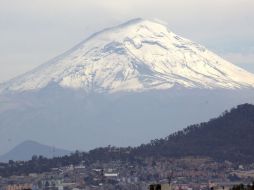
(158, 186)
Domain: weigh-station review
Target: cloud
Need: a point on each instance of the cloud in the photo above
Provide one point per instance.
(46, 28)
(244, 60)
(241, 58)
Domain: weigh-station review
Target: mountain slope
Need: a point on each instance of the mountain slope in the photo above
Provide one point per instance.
(122, 86)
(27, 149)
(228, 137)
(139, 55)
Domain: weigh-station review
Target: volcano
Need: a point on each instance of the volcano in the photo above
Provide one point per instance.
(122, 86)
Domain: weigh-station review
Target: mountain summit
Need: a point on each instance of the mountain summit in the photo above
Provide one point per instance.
(27, 149)
(122, 86)
(138, 55)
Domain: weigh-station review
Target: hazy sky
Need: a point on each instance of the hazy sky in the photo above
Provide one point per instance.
(34, 31)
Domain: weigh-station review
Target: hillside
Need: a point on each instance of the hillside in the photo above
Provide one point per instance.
(117, 86)
(228, 137)
(27, 149)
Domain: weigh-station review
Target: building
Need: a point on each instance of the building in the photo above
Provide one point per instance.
(158, 186)
(18, 187)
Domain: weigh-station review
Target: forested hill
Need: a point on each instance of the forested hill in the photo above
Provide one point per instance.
(228, 137)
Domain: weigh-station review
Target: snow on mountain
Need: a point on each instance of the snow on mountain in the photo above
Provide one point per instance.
(172, 75)
(139, 55)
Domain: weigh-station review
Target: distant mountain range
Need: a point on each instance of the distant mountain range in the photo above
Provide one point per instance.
(228, 137)
(27, 149)
(122, 86)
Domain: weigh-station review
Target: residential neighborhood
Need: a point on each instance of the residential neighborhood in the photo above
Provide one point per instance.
(179, 174)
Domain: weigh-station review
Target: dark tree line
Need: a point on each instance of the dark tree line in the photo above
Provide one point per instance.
(228, 137)
(243, 187)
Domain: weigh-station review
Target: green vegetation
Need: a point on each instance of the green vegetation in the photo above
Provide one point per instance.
(243, 187)
(228, 137)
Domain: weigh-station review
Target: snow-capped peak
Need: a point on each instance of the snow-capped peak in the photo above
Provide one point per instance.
(138, 55)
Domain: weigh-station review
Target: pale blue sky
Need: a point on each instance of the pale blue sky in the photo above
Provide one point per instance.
(34, 31)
